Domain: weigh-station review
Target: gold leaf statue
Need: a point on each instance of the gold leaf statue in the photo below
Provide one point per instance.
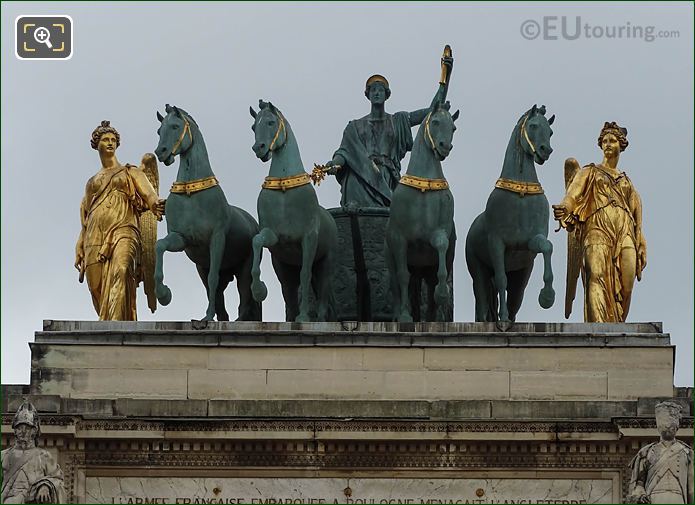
(109, 250)
(574, 247)
(602, 212)
(148, 230)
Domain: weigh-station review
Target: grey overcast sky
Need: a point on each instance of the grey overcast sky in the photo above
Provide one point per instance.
(311, 60)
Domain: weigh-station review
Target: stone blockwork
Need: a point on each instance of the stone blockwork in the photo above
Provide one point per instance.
(352, 361)
(130, 409)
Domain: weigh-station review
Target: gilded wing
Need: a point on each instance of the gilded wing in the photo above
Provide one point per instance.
(574, 250)
(148, 231)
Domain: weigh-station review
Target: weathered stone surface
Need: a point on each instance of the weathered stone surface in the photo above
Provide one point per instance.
(351, 361)
(42, 403)
(322, 409)
(357, 490)
(558, 385)
(160, 408)
(263, 358)
(226, 384)
(119, 383)
(552, 409)
(645, 406)
(73, 328)
(635, 383)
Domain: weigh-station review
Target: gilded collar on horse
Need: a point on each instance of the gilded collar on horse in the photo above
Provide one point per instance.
(423, 183)
(193, 186)
(285, 183)
(523, 188)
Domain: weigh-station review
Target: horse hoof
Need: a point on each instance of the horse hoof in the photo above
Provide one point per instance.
(259, 291)
(163, 295)
(503, 325)
(208, 317)
(546, 298)
(302, 318)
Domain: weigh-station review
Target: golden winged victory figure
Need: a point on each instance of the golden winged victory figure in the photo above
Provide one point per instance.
(115, 249)
(602, 213)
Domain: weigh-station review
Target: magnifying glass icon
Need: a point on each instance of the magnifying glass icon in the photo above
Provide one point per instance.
(43, 36)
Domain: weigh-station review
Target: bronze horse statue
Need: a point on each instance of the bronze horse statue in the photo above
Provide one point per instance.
(420, 234)
(216, 236)
(300, 234)
(503, 241)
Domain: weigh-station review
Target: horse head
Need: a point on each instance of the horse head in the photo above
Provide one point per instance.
(175, 135)
(270, 129)
(439, 128)
(535, 132)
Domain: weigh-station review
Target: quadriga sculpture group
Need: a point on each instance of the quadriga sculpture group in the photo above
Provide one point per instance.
(601, 212)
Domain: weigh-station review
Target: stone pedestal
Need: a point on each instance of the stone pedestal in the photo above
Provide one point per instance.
(361, 276)
(164, 412)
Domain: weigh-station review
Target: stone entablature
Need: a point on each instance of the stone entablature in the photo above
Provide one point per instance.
(283, 448)
(352, 361)
(576, 404)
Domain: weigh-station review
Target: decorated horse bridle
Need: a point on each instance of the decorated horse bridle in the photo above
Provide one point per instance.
(284, 183)
(525, 134)
(425, 183)
(281, 127)
(186, 129)
(428, 133)
(523, 188)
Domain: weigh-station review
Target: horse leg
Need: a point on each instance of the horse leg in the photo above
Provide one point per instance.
(249, 309)
(415, 294)
(321, 279)
(540, 244)
(399, 257)
(288, 275)
(220, 309)
(173, 242)
(481, 282)
(310, 242)
(203, 273)
(217, 242)
(516, 285)
(432, 311)
(440, 241)
(265, 238)
(496, 249)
